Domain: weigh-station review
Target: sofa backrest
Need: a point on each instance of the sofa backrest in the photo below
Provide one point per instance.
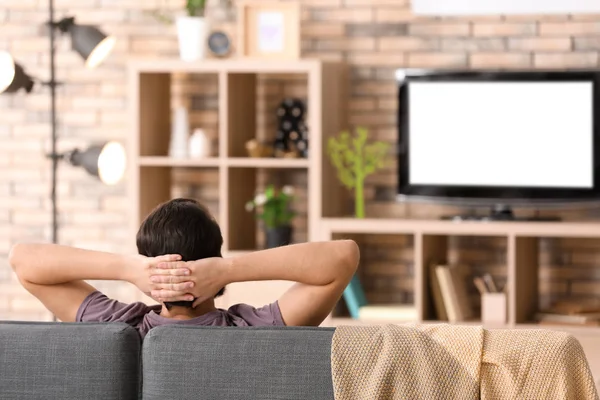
(62, 361)
(184, 362)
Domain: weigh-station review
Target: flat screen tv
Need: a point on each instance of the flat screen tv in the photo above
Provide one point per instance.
(500, 138)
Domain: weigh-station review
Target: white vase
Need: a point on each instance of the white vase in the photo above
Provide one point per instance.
(199, 146)
(192, 34)
(180, 132)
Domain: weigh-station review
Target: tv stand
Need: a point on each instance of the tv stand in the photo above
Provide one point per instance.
(499, 212)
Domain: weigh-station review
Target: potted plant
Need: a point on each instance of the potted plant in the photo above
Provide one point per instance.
(355, 158)
(273, 208)
(192, 31)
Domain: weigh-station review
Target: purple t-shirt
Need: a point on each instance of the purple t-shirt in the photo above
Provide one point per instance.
(97, 307)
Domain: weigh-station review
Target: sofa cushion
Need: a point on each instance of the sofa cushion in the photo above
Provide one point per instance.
(262, 363)
(83, 361)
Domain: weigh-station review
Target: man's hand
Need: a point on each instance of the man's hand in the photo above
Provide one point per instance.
(177, 277)
(203, 281)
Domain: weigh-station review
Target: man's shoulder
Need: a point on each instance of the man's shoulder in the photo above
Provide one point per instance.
(267, 315)
(98, 307)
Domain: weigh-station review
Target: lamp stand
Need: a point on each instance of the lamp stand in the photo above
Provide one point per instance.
(85, 43)
(54, 157)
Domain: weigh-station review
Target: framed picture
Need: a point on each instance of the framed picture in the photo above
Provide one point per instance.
(269, 29)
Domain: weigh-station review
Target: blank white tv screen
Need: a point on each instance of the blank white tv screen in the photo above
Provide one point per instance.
(512, 134)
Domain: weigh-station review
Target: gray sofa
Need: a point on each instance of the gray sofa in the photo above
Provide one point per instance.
(88, 361)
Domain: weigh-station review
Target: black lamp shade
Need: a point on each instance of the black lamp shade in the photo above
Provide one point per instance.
(106, 161)
(12, 75)
(91, 44)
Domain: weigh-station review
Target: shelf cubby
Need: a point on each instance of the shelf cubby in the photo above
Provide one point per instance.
(460, 250)
(386, 269)
(158, 94)
(244, 183)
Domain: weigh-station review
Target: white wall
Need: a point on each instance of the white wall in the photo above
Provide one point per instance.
(481, 7)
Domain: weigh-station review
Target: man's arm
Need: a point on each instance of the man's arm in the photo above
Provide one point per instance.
(55, 274)
(322, 271)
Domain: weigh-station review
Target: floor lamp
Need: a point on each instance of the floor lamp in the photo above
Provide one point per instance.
(105, 161)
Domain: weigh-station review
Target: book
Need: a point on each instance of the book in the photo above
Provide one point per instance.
(554, 323)
(454, 293)
(568, 318)
(576, 306)
(436, 293)
(445, 280)
(459, 278)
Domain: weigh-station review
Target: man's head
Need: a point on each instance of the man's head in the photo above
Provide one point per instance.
(184, 227)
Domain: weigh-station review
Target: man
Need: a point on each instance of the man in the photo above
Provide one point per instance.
(180, 265)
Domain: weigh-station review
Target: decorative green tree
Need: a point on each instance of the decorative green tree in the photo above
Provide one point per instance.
(355, 158)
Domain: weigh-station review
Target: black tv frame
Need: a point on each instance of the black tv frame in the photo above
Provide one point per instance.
(492, 195)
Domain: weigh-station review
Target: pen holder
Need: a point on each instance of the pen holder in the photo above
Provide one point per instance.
(494, 308)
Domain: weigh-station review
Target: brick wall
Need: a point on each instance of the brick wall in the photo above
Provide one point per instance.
(373, 36)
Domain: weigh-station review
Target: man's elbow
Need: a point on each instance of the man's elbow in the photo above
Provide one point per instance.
(16, 259)
(350, 256)
(14, 256)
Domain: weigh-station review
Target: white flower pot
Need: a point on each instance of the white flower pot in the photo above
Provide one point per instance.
(192, 34)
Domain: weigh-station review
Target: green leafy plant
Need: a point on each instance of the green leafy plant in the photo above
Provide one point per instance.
(355, 158)
(193, 8)
(273, 206)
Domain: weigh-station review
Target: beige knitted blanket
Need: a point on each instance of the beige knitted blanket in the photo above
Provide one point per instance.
(457, 362)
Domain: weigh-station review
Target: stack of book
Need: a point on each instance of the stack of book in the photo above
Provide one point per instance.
(571, 312)
(450, 294)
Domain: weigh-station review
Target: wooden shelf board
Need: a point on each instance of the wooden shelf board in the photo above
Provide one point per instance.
(238, 162)
(267, 162)
(439, 227)
(158, 161)
(338, 321)
(232, 65)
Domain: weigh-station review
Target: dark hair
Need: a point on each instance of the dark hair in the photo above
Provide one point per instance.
(184, 227)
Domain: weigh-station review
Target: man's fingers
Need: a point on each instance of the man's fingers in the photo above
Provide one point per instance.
(171, 265)
(175, 287)
(168, 258)
(169, 278)
(178, 271)
(171, 295)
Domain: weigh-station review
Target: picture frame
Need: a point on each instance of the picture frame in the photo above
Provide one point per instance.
(268, 30)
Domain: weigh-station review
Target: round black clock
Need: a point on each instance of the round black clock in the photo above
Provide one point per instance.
(219, 43)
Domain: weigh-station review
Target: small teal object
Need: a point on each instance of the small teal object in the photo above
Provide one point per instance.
(219, 43)
(354, 296)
